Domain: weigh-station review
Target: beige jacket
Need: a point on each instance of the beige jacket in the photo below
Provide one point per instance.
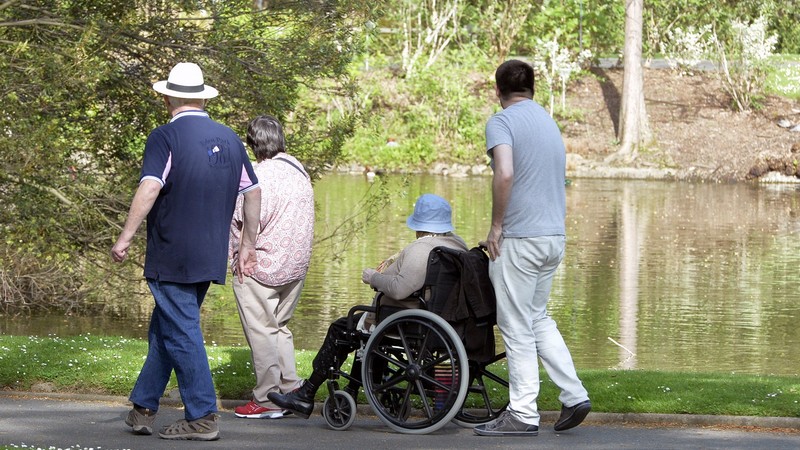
(406, 273)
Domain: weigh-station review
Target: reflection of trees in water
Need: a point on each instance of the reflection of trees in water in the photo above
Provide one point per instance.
(712, 285)
(629, 277)
(704, 272)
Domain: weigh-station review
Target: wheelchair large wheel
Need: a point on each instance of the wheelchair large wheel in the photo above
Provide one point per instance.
(415, 372)
(487, 395)
(339, 411)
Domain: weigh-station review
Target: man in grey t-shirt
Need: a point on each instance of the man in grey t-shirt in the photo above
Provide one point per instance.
(526, 244)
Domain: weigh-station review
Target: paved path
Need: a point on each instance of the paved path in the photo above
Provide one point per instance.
(82, 422)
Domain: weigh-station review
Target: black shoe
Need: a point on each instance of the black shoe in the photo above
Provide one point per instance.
(300, 401)
(573, 416)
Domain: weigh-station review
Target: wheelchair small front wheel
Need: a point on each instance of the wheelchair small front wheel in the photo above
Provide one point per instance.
(339, 410)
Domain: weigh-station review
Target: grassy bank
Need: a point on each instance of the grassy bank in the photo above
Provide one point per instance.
(109, 365)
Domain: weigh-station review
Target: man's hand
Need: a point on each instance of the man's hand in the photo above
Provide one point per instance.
(492, 242)
(120, 250)
(366, 275)
(247, 262)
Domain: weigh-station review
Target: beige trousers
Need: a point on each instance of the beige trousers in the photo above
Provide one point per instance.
(265, 311)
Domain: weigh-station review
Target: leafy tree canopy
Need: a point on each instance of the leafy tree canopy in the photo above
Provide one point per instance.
(77, 103)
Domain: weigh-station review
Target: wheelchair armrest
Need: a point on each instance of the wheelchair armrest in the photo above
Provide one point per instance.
(354, 310)
(418, 295)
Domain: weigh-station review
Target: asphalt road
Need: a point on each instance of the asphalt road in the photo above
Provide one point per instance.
(82, 422)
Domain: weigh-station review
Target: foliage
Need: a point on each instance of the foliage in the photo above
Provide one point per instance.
(685, 48)
(667, 19)
(783, 21)
(662, 17)
(555, 66)
(498, 24)
(77, 106)
(438, 115)
(744, 63)
(427, 27)
(781, 17)
(741, 49)
(784, 78)
(579, 24)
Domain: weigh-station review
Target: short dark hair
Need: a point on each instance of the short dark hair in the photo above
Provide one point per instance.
(514, 77)
(265, 137)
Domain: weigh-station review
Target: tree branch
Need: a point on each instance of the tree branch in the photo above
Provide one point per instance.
(49, 22)
(8, 4)
(55, 192)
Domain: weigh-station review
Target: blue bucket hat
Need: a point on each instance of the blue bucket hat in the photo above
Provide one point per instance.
(432, 214)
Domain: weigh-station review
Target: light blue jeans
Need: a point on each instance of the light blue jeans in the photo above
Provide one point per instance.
(176, 342)
(522, 277)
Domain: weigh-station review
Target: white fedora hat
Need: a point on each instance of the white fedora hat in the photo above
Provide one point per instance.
(185, 81)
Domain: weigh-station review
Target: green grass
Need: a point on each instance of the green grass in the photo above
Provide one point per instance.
(109, 365)
(784, 79)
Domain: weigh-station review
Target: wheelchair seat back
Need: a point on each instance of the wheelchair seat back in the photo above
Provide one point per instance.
(457, 288)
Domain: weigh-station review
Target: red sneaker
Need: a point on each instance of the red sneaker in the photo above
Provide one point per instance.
(253, 410)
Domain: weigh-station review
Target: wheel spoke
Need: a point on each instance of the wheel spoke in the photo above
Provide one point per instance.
(392, 359)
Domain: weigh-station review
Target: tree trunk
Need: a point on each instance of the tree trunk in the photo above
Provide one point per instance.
(633, 125)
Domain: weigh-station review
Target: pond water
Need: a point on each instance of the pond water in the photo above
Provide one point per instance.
(657, 275)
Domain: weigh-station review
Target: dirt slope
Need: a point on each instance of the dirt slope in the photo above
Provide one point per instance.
(698, 136)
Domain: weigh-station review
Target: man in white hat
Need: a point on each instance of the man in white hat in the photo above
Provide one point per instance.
(192, 172)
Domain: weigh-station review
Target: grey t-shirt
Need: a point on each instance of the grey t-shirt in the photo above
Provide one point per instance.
(537, 206)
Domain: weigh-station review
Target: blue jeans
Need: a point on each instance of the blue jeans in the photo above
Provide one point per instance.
(176, 342)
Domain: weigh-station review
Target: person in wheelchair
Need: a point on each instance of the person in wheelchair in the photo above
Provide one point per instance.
(395, 279)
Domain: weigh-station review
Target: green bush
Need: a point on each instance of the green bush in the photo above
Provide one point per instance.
(784, 76)
(438, 115)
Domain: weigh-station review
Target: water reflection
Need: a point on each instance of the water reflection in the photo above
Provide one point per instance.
(628, 279)
(657, 275)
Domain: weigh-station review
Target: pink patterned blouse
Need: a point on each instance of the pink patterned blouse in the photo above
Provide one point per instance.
(286, 228)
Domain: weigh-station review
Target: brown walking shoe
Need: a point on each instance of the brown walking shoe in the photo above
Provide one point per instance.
(141, 419)
(203, 429)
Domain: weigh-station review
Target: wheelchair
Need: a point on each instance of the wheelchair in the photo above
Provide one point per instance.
(423, 368)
